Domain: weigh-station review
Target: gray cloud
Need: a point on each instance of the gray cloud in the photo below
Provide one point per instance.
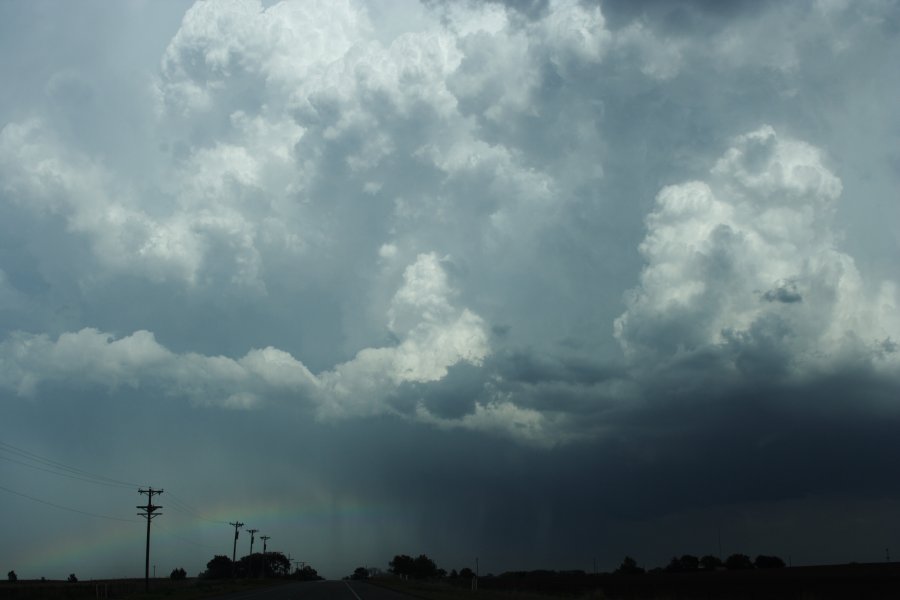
(786, 292)
(535, 282)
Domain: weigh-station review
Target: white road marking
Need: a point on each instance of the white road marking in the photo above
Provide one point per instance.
(352, 591)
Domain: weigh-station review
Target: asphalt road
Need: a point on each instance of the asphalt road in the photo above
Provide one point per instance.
(318, 590)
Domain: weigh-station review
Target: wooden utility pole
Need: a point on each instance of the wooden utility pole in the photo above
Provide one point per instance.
(148, 512)
(250, 564)
(237, 525)
(265, 539)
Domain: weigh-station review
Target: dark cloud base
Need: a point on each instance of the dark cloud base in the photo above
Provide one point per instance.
(771, 469)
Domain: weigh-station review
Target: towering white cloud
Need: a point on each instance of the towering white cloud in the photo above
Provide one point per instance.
(746, 267)
(433, 336)
(390, 198)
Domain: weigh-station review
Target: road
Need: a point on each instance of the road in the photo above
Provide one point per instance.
(318, 590)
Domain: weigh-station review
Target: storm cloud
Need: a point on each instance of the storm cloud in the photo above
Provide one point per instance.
(538, 283)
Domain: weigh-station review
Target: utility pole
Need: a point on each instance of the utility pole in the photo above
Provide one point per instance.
(252, 533)
(237, 525)
(265, 539)
(148, 513)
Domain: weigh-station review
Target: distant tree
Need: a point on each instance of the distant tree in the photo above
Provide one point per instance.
(421, 567)
(360, 573)
(424, 568)
(687, 562)
(277, 563)
(12, 577)
(178, 574)
(710, 562)
(738, 561)
(768, 562)
(258, 564)
(220, 567)
(307, 573)
(72, 578)
(402, 565)
(466, 573)
(629, 566)
(453, 574)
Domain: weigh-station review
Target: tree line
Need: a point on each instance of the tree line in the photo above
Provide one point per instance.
(423, 567)
(688, 562)
(258, 564)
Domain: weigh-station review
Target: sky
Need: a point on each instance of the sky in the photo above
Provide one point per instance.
(543, 283)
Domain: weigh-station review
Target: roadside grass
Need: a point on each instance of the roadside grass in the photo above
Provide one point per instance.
(131, 589)
(432, 590)
(201, 589)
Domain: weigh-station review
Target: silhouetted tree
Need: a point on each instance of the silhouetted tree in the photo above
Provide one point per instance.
(466, 573)
(421, 567)
(72, 578)
(629, 567)
(12, 577)
(258, 564)
(686, 563)
(424, 568)
(178, 574)
(360, 573)
(453, 574)
(401, 565)
(768, 562)
(710, 562)
(307, 573)
(220, 567)
(738, 561)
(277, 563)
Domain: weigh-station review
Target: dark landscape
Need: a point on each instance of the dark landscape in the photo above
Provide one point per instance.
(873, 581)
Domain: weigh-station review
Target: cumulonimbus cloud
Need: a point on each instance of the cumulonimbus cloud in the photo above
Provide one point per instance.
(746, 268)
(304, 146)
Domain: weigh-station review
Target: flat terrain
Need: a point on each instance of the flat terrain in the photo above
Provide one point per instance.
(318, 590)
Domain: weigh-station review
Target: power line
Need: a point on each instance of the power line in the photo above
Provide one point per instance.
(54, 464)
(53, 467)
(25, 464)
(168, 532)
(61, 507)
(185, 508)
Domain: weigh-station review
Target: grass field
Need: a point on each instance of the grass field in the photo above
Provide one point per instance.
(428, 590)
(129, 589)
